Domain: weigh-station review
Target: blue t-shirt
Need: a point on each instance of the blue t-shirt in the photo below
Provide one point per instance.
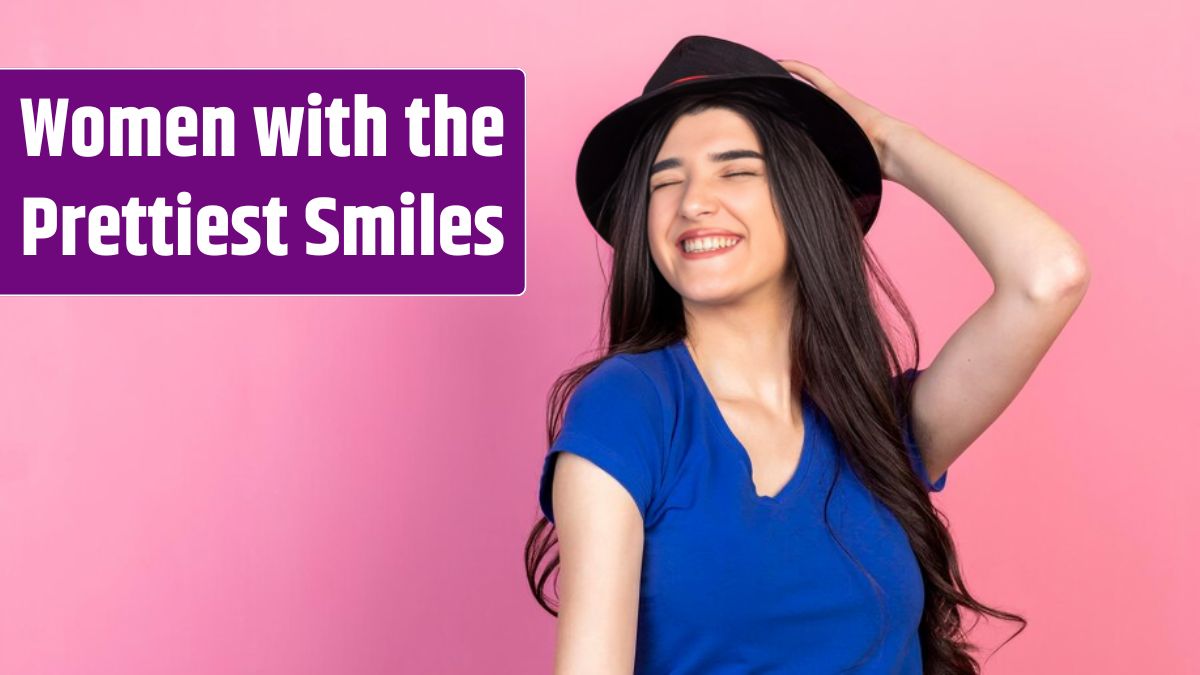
(733, 581)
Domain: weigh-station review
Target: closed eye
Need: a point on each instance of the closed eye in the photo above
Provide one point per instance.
(728, 175)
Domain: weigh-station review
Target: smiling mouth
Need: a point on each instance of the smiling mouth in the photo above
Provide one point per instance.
(707, 246)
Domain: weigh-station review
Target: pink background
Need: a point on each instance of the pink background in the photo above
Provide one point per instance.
(344, 485)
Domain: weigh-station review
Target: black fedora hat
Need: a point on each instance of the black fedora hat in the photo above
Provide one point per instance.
(703, 64)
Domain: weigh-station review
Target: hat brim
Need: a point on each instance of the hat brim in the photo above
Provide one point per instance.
(842, 141)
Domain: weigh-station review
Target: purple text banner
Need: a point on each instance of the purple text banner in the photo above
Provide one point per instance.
(262, 182)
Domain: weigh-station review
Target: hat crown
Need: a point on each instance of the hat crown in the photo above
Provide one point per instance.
(700, 56)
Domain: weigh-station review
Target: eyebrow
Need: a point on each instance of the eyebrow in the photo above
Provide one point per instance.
(726, 156)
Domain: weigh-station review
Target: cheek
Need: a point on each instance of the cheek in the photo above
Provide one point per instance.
(658, 214)
(658, 222)
(758, 212)
(770, 247)
(776, 238)
(753, 200)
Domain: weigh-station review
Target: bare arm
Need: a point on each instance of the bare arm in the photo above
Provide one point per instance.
(600, 537)
(1040, 276)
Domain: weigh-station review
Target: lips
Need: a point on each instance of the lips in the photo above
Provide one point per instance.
(704, 232)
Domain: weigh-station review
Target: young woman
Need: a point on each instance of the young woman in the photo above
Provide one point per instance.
(740, 484)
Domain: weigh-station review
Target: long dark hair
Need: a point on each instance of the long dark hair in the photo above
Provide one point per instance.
(840, 349)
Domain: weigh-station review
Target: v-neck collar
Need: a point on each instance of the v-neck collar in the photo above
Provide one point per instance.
(713, 413)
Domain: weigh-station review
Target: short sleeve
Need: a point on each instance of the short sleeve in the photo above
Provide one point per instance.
(914, 453)
(614, 419)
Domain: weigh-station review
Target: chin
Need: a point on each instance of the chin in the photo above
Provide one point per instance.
(710, 295)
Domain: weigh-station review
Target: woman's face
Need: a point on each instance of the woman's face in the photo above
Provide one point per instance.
(709, 178)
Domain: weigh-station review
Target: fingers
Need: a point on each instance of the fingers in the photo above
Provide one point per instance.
(808, 72)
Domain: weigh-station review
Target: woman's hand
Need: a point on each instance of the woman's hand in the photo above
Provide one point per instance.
(875, 123)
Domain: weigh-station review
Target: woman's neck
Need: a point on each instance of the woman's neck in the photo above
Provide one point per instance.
(744, 351)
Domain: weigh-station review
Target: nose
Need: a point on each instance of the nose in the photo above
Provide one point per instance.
(698, 199)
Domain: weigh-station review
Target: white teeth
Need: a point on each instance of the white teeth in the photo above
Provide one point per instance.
(702, 244)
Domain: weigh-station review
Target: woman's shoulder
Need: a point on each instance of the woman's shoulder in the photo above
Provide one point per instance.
(654, 369)
(622, 417)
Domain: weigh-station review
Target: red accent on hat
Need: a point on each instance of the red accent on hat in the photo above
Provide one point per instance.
(685, 79)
